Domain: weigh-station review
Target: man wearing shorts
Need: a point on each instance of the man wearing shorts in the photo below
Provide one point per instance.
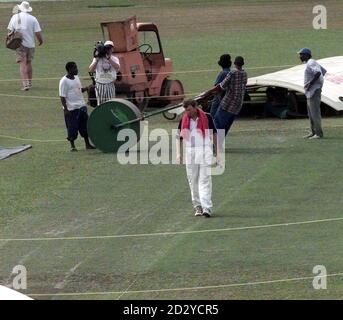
(29, 27)
(74, 106)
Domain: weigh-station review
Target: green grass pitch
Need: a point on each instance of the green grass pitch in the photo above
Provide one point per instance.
(272, 177)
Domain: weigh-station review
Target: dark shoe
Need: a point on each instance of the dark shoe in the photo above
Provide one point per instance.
(89, 147)
(207, 213)
(73, 149)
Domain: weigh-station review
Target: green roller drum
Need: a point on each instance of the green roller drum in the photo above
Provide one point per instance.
(108, 119)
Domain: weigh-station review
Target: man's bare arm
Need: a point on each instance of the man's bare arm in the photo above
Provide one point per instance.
(64, 104)
(315, 78)
(39, 38)
(212, 91)
(114, 64)
(178, 150)
(93, 65)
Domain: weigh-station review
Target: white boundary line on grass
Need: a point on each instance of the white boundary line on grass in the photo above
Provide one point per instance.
(232, 285)
(174, 233)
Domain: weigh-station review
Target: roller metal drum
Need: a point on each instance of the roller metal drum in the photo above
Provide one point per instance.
(103, 120)
(108, 119)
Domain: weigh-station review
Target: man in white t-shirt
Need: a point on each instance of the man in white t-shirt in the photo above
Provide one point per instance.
(313, 83)
(74, 106)
(29, 27)
(106, 66)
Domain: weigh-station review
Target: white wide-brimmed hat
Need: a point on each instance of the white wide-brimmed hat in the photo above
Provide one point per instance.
(25, 7)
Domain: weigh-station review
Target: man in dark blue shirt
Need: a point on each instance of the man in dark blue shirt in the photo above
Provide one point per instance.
(225, 63)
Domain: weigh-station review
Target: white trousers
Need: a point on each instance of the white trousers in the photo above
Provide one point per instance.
(199, 178)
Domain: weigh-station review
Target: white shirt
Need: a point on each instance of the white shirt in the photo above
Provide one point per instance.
(105, 73)
(313, 67)
(196, 138)
(198, 148)
(193, 123)
(28, 26)
(71, 90)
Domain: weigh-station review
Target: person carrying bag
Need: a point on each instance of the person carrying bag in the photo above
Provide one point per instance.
(25, 23)
(14, 38)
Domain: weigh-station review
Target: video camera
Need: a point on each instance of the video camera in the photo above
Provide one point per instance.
(100, 50)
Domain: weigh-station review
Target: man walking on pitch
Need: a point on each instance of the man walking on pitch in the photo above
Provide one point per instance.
(196, 129)
(313, 83)
(74, 106)
(29, 27)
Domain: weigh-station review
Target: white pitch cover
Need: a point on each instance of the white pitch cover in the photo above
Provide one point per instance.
(293, 79)
(9, 294)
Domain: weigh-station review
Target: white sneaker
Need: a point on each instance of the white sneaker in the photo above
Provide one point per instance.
(315, 137)
(198, 211)
(309, 135)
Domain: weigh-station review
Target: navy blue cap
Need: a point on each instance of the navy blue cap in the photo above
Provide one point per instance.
(305, 51)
